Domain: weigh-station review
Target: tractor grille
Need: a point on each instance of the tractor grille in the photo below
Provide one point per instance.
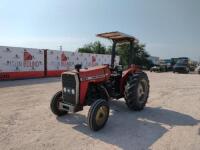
(70, 84)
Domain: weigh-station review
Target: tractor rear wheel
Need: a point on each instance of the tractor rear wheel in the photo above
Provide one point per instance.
(98, 114)
(54, 105)
(137, 91)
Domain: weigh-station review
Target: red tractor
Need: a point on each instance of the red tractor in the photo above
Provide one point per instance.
(95, 86)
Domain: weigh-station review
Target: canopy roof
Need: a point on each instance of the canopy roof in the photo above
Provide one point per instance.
(117, 36)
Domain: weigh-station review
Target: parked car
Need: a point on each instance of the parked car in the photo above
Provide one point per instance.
(158, 68)
(182, 66)
(154, 69)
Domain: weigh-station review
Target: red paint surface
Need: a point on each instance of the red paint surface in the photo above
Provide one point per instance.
(83, 91)
(92, 71)
(27, 55)
(29, 74)
(21, 75)
(55, 73)
(130, 70)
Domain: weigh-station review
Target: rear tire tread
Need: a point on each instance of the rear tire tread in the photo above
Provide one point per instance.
(131, 91)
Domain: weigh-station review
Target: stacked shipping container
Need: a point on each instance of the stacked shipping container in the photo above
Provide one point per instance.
(19, 63)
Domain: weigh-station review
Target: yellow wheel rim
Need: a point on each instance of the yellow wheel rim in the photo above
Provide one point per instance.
(101, 115)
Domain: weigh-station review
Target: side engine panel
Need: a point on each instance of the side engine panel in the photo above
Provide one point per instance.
(93, 75)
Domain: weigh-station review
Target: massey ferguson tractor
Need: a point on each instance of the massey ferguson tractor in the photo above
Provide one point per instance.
(95, 86)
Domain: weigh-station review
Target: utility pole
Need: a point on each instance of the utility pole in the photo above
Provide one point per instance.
(60, 47)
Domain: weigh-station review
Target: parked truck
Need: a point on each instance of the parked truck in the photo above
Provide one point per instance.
(183, 65)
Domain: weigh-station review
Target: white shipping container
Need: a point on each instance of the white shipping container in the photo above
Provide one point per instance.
(65, 60)
(60, 60)
(15, 59)
(18, 62)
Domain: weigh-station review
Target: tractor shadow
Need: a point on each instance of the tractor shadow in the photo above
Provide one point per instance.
(132, 130)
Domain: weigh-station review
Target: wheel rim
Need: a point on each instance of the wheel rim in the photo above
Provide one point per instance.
(142, 90)
(101, 115)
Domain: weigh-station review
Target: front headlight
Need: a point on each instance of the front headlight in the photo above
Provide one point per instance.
(73, 91)
(64, 89)
(68, 90)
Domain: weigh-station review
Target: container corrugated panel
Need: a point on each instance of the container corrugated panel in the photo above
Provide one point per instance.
(60, 61)
(17, 63)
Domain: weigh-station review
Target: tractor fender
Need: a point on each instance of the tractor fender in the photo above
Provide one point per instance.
(133, 69)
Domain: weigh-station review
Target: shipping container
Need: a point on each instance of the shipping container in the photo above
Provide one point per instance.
(18, 63)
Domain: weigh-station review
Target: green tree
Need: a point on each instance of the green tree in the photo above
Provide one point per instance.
(95, 47)
(122, 50)
(141, 56)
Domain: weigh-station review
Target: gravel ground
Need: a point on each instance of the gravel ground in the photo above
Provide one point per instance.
(171, 119)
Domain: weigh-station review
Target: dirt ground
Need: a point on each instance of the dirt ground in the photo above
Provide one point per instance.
(171, 119)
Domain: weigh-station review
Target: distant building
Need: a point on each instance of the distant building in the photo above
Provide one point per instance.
(154, 60)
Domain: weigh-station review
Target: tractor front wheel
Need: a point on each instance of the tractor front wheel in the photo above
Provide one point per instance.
(98, 114)
(54, 105)
(137, 91)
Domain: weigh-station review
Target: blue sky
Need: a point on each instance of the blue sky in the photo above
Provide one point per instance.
(169, 28)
